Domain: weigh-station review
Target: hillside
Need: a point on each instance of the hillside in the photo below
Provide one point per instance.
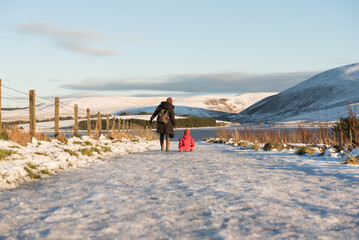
(323, 97)
(202, 106)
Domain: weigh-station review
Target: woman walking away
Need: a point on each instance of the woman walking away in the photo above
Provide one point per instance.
(165, 122)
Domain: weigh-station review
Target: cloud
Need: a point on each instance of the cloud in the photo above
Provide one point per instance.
(76, 47)
(200, 83)
(55, 80)
(52, 30)
(72, 40)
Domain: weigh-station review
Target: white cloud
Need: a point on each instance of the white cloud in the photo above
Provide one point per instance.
(76, 47)
(52, 30)
(72, 40)
(200, 83)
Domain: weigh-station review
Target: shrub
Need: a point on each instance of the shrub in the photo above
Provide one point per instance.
(15, 134)
(304, 149)
(270, 146)
(5, 153)
(351, 160)
(4, 136)
(256, 147)
(88, 143)
(279, 147)
(338, 148)
(70, 152)
(267, 147)
(89, 151)
(243, 144)
(30, 165)
(217, 141)
(106, 149)
(349, 127)
(31, 174)
(45, 171)
(61, 138)
(69, 164)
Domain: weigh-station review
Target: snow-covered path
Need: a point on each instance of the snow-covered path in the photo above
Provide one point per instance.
(216, 192)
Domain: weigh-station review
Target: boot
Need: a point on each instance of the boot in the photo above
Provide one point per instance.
(162, 144)
(167, 144)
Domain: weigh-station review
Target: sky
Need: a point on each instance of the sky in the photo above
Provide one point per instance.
(172, 48)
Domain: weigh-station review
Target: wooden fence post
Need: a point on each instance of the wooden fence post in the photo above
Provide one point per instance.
(76, 120)
(99, 124)
(113, 127)
(108, 126)
(32, 113)
(57, 116)
(88, 122)
(119, 127)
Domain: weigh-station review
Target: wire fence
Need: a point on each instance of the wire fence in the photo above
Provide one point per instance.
(35, 113)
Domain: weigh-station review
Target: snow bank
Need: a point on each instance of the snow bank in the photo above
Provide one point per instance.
(40, 158)
(326, 152)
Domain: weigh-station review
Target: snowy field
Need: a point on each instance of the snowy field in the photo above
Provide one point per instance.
(216, 192)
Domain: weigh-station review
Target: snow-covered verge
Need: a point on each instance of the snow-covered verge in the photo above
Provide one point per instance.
(39, 159)
(342, 156)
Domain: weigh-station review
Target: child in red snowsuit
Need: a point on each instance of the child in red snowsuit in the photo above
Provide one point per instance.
(186, 142)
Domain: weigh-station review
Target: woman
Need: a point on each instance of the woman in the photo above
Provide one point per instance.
(165, 122)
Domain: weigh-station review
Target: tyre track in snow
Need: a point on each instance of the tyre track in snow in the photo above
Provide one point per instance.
(216, 192)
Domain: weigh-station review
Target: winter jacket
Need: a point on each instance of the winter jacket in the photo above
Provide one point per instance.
(162, 128)
(186, 141)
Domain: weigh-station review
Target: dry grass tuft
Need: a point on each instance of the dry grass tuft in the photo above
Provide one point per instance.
(351, 160)
(15, 134)
(259, 134)
(4, 153)
(61, 138)
(303, 150)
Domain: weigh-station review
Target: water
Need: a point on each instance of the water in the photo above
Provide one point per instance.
(198, 134)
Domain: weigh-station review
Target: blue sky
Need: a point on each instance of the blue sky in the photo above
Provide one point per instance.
(172, 48)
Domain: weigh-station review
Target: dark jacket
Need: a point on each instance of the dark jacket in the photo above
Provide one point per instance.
(162, 128)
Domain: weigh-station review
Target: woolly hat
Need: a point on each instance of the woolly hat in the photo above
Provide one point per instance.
(169, 100)
(187, 132)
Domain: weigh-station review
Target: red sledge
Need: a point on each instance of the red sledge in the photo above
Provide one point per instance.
(186, 149)
(186, 143)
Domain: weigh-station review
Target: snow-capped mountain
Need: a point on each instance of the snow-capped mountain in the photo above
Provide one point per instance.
(204, 106)
(323, 97)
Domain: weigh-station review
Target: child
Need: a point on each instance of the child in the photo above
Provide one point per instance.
(186, 142)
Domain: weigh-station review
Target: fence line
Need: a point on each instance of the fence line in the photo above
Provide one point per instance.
(28, 109)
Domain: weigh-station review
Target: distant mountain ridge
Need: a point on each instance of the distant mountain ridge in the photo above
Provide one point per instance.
(202, 105)
(324, 96)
